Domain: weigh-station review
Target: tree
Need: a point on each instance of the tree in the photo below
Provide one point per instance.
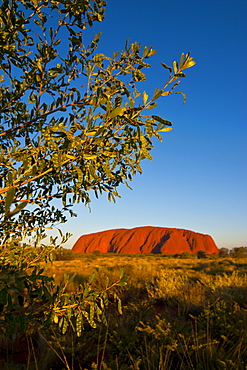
(185, 255)
(239, 252)
(201, 254)
(224, 252)
(72, 122)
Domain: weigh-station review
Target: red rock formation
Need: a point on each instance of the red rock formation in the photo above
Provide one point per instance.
(146, 239)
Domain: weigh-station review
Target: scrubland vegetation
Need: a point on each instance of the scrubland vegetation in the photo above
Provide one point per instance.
(179, 312)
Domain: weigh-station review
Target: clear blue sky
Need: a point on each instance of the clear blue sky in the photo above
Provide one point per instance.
(198, 177)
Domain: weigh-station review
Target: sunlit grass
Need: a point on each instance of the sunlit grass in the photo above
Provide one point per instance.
(177, 314)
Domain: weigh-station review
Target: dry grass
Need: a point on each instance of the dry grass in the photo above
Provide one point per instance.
(187, 283)
(177, 314)
(141, 269)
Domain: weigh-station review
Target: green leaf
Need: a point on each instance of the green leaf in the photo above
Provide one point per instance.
(9, 199)
(18, 208)
(91, 312)
(90, 156)
(189, 62)
(79, 323)
(151, 106)
(145, 51)
(166, 93)
(117, 112)
(181, 93)
(72, 278)
(144, 97)
(97, 37)
(151, 52)
(157, 93)
(122, 283)
(65, 325)
(181, 62)
(167, 67)
(92, 277)
(50, 319)
(23, 323)
(161, 120)
(60, 324)
(175, 66)
(166, 129)
(79, 177)
(119, 305)
(85, 292)
(145, 153)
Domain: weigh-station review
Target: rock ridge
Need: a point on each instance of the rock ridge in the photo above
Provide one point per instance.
(146, 239)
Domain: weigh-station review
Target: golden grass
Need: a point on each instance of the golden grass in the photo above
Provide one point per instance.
(168, 274)
(177, 314)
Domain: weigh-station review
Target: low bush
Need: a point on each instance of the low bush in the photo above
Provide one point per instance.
(63, 254)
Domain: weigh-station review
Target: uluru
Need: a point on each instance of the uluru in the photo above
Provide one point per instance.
(146, 239)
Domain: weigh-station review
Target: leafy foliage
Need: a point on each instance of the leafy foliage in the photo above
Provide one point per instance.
(72, 121)
(30, 300)
(201, 254)
(239, 252)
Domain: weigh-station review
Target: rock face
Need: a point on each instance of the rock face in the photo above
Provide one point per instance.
(146, 239)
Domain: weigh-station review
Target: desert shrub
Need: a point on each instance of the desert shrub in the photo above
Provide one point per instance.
(178, 291)
(63, 254)
(202, 267)
(166, 283)
(224, 252)
(201, 254)
(239, 252)
(230, 287)
(217, 267)
(185, 255)
(226, 262)
(224, 326)
(144, 340)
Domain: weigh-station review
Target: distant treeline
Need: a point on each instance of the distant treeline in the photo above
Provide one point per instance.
(63, 254)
